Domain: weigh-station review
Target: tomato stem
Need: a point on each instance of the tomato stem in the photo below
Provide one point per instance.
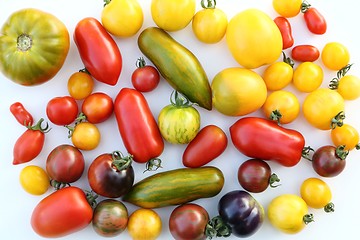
(305, 6)
(179, 100)
(276, 116)
(121, 162)
(288, 60)
(140, 62)
(153, 164)
(334, 83)
(330, 207)
(106, 2)
(91, 198)
(24, 42)
(217, 227)
(338, 120)
(58, 185)
(211, 4)
(308, 218)
(306, 152)
(273, 179)
(341, 152)
(38, 127)
(84, 70)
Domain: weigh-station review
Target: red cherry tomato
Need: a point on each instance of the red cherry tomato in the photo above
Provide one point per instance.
(97, 107)
(62, 110)
(98, 51)
(314, 20)
(305, 53)
(285, 29)
(21, 114)
(145, 78)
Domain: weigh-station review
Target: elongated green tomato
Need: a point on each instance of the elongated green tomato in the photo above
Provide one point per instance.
(345, 135)
(317, 194)
(308, 76)
(34, 180)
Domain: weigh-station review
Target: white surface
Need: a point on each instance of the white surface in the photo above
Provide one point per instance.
(16, 205)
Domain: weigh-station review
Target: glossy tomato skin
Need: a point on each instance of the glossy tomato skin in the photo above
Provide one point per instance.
(62, 110)
(286, 32)
(188, 221)
(326, 162)
(145, 78)
(98, 51)
(20, 113)
(61, 213)
(264, 139)
(137, 126)
(209, 143)
(97, 107)
(86, 136)
(314, 20)
(305, 53)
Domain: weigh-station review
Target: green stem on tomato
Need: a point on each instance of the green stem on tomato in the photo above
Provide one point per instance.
(91, 198)
(211, 4)
(274, 179)
(153, 164)
(38, 127)
(216, 227)
(341, 152)
(121, 162)
(106, 2)
(288, 60)
(330, 207)
(179, 100)
(338, 120)
(334, 83)
(276, 116)
(305, 6)
(308, 218)
(140, 62)
(306, 152)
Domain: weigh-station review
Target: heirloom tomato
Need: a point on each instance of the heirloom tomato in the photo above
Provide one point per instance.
(287, 8)
(335, 56)
(286, 32)
(144, 224)
(317, 194)
(145, 78)
(305, 53)
(62, 110)
(85, 135)
(329, 161)
(314, 20)
(34, 180)
(33, 46)
(80, 85)
(345, 135)
(97, 107)
(21, 114)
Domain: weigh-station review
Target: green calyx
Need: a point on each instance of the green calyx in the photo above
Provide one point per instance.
(38, 126)
(121, 162)
(211, 4)
(338, 120)
(178, 100)
(216, 227)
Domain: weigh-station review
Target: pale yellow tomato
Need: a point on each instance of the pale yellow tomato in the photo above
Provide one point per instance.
(349, 87)
(345, 135)
(335, 56)
(287, 8)
(308, 76)
(144, 224)
(278, 75)
(34, 180)
(317, 194)
(80, 85)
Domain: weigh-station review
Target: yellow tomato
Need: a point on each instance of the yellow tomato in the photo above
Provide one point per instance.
(34, 180)
(321, 106)
(85, 136)
(283, 104)
(349, 87)
(308, 76)
(122, 18)
(172, 15)
(317, 194)
(238, 91)
(345, 135)
(144, 224)
(80, 85)
(287, 8)
(253, 38)
(335, 56)
(288, 213)
(278, 75)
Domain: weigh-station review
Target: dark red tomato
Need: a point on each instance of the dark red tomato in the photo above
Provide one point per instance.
(285, 29)
(305, 53)
(61, 213)
(255, 176)
(65, 164)
(314, 20)
(111, 175)
(137, 126)
(209, 143)
(97, 107)
(264, 139)
(21, 114)
(145, 78)
(29, 145)
(329, 161)
(98, 51)
(188, 221)
(62, 110)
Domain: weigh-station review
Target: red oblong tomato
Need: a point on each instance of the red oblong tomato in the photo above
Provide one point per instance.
(145, 78)
(314, 20)
(21, 114)
(209, 143)
(62, 110)
(61, 213)
(97, 107)
(98, 51)
(137, 126)
(285, 29)
(305, 53)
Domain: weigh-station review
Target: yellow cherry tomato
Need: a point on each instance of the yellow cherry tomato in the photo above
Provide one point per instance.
(122, 18)
(80, 85)
(317, 194)
(85, 136)
(349, 87)
(345, 135)
(209, 24)
(144, 224)
(34, 180)
(172, 15)
(308, 76)
(288, 213)
(335, 56)
(278, 75)
(282, 106)
(287, 8)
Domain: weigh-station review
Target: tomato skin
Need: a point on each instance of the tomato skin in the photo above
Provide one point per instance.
(335, 55)
(21, 114)
(144, 224)
(98, 51)
(314, 20)
(86, 136)
(308, 76)
(346, 135)
(61, 213)
(80, 85)
(278, 75)
(316, 193)
(209, 143)
(305, 53)
(62, 110)
(286, 32)
(34, 180)
(287, 8)
(265, 139)
(137, 126)
(97, 107)
(326, 162)
(145, 78)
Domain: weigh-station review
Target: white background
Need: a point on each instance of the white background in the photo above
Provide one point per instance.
(17, 205)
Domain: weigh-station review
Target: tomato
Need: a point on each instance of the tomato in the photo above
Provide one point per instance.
(61, 213)
(254, 175)
(97, 107)
(209, 24)
(253, 38)
(314, 20)
(80, 85)
(144, 224)
(286, 33)
(137, 126)
(288, 213)
(111, 175)
(282, 106)
(209, 143)
(345, 135)
(317, 194)
(188, 221)
(62, 110)
(323, 108)
(264, 139)
(98, 51)
(348, 86)
(34, 180)
(29, 145)
(308, 77)
(179, 122)
(85, 136)
(329, 161)
(20, 113)
(145, 78)
(171, 15)
(25, 40)
(65, 164)
(238, 91)
(287, 8)
(335, 56)
(110, 218)
(305, 53)
(116, 14)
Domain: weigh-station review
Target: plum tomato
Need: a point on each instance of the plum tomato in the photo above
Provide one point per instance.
(329, 161)
(145, 78)
(314, 20)
(317, 194)
(62, 110)
(97, 107)
(34, 180)
(345, 135)
(305, 53)
(144, 224)
(80, 84)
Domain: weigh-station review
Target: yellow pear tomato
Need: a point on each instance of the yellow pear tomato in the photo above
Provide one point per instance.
(34, 180)
(317, 194)
(335, 56)
(345, 135)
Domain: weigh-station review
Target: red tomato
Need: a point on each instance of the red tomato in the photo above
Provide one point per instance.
(98, 51)
(329, 161)
(62, 110)
(209, 143)
(265, 139)
(137, 126)
(305, 53)
(21, 114)
(285, 29)
(314, 20)
(61, 213)
(145, 78)
(97, 107)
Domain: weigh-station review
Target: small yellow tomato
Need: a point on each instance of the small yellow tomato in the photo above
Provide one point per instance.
(34, 180)
(317, 194)
(80, 85)
(86, 136)
(349, 87)
(308, 76)
(345, 135)
(144, 224)
(335, 56)
(287, 8)
(278, 75)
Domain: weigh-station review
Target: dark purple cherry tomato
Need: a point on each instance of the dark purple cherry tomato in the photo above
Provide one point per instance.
(145, 78)
(305, 53)
(314, 20)
(329, 161)
(285, 29)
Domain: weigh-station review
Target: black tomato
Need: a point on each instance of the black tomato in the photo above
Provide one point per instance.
(329, 161)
